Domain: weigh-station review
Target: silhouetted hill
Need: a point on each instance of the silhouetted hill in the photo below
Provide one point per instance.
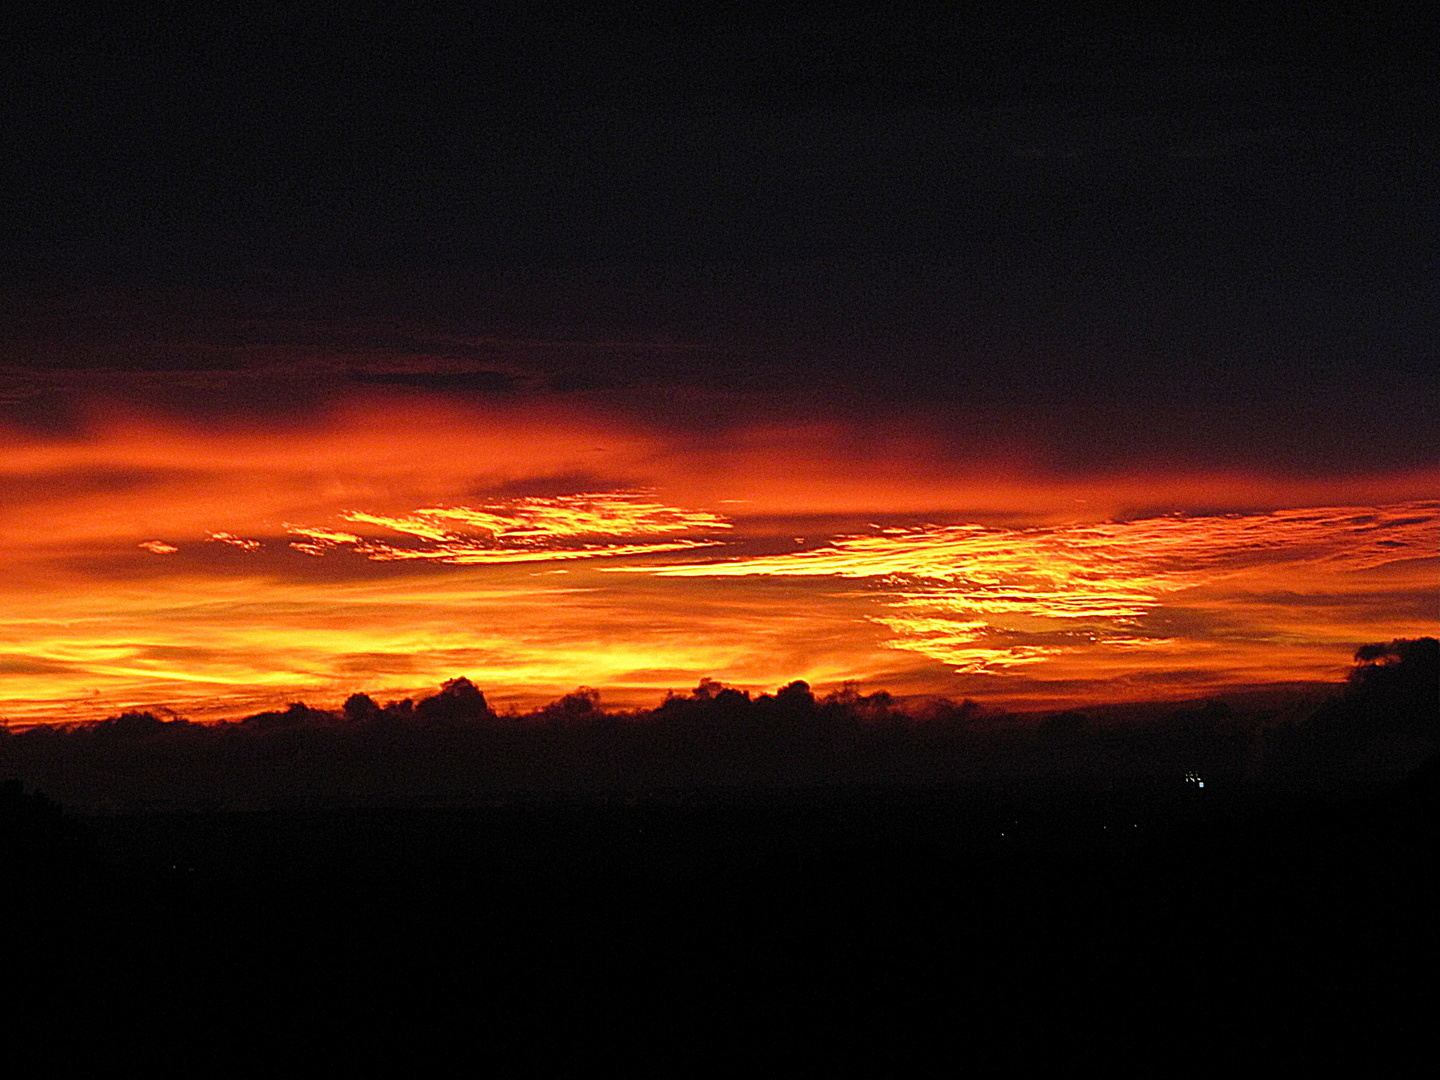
(452, 749)
(786, 873)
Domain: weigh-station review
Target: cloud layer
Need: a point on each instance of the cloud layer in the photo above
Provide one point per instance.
(988, 599)
(532, 529)
(397, 541)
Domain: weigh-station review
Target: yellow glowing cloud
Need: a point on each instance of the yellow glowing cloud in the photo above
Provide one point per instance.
(322, 536)
(234, 541)
(532, 529)
(1130, 562)
(533, 520)
(395, 599)
(214, 646)
(1107, 575)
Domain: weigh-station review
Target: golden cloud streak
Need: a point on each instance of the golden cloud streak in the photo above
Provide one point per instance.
(1108, 575)
(1131, 561)
(532, 529)
(461, 554)
(535, 520)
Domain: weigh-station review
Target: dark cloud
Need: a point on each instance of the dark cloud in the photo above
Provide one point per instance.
(459, 382)
(1094, 379)
(1139, 238)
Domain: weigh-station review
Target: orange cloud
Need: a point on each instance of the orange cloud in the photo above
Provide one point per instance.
(534, 520)
(234, 541)
(395, 542)
(955, 590)
(532, 529)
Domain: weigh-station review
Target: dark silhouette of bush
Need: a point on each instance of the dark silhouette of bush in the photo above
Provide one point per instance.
(966, 713)
(361, 707)
(710, 700)
(795, 697)
(297, 715)
(582, 705)
(847, 703)
(403, 709)
(132, 724)
(707, 689)
(1393, 689)
(731, 701)
(1396, 686)
(458, 700)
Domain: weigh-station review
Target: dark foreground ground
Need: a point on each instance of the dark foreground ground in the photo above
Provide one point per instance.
(1165, 923)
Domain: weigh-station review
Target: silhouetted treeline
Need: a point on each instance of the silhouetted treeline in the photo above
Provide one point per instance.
(855, 883)
(453, 748)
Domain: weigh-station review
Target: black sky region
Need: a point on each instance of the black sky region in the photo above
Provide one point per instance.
(1205, 240)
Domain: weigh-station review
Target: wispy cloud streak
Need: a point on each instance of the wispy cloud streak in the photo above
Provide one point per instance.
(533, 529)
(952, 589)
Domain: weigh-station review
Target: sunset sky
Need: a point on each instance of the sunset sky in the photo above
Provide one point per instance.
(1025, 361)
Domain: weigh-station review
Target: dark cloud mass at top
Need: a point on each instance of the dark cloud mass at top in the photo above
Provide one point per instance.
(1138, 237)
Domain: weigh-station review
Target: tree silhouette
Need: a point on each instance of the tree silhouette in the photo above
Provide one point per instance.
(583, 704)
(459, 699)
(796, 696)
(361, 707)
(1395, 686)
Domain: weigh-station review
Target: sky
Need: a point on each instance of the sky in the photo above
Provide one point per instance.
(1036, 359)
